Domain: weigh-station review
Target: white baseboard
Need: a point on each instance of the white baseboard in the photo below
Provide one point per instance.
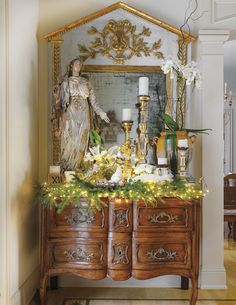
(25, 293)
(209, 279)
(16, 298)
(213, 279)
(162, 282)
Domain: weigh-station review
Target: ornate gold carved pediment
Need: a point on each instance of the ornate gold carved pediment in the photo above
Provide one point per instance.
(120, 41)
(113, 7)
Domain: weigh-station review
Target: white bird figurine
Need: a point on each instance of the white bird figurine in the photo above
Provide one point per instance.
(117, 176)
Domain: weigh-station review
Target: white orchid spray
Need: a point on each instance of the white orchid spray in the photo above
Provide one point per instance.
(188, 73)
(192, 75)
(185, 75)
(168, 67)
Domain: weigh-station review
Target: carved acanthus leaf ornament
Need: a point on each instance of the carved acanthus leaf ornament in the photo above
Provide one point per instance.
(120, 41)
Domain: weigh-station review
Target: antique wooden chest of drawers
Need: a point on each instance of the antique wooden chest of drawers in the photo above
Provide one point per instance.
(125, 239)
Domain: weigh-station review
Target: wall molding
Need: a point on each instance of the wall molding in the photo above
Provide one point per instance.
(223, 10)
(4, 162)
(25, 293)
(213, 279)
(211, 56)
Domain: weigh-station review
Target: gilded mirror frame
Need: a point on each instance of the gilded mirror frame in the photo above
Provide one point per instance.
(56, 39)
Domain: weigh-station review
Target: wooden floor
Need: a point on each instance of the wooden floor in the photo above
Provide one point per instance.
(157, 296)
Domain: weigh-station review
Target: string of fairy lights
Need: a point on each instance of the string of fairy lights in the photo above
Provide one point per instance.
(71, 193)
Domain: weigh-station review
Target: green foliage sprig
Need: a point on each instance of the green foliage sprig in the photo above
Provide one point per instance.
(173, 126)
(61, 195)
(95, 139)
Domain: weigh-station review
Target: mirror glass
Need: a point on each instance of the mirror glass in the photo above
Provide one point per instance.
(115, 91)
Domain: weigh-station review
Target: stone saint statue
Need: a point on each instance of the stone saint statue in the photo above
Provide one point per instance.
(75, 102)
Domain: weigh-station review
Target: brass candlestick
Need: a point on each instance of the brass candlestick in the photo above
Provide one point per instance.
(127, 127)
(182, 162)
(142, 139)
(126, 149)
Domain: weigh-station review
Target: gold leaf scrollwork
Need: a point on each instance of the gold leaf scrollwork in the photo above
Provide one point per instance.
(56, 43)
(120, 41)
(183, 57)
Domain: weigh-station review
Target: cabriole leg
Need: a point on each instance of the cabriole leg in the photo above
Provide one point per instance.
(194, 281)
(43, 290)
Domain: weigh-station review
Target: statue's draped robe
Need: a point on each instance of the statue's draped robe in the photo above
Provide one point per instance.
(77, 98)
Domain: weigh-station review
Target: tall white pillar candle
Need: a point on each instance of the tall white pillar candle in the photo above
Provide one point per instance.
(143, 86)
(127, 114)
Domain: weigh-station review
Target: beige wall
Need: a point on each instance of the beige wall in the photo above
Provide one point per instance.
(23, 145)
(20, 136)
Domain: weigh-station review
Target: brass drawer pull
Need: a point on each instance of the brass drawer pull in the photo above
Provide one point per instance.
(79, 255)
(162, 217)
(161, 254)
(82, 216)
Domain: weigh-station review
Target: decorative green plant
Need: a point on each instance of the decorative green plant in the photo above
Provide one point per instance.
(95, 139)
(173, 126)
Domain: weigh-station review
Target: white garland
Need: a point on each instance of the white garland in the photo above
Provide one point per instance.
(149, 173)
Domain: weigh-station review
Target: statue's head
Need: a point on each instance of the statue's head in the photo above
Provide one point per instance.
(75, 67)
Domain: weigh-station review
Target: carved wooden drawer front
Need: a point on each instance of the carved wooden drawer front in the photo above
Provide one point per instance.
(79, 253)
(154, 251)
(119, 251)
(163, 217)
(77, 219)
(120, 216)
(119, 256)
